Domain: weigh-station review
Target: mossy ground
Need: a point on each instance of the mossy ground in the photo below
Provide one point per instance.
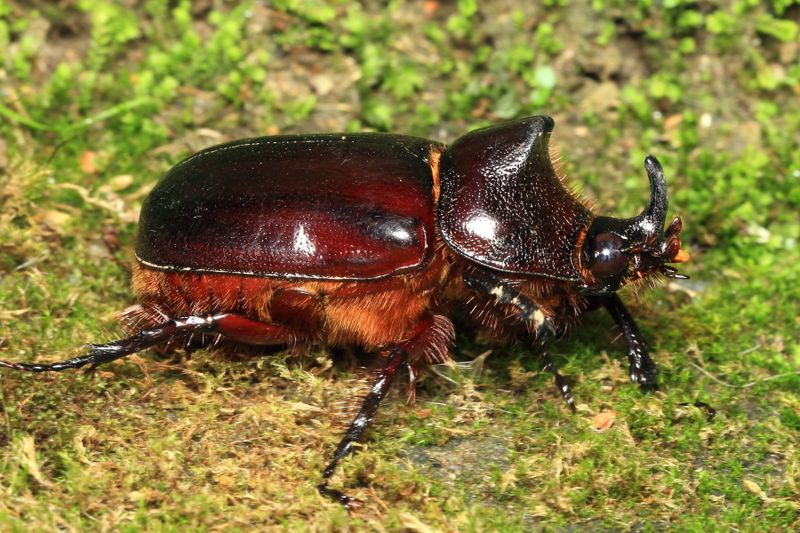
(99, 98)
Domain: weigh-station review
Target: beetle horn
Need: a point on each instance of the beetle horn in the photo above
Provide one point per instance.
(652, 218)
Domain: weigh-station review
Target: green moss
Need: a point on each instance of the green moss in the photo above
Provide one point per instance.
(203, 440)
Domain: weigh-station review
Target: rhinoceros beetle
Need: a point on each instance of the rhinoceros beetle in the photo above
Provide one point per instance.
(371, 239)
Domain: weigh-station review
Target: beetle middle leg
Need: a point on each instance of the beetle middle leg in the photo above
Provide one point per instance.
(426, 343)
(529, 313)
(397, 358)
(561, 381)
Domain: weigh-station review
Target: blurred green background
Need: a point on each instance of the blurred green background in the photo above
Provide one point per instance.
(99, 98)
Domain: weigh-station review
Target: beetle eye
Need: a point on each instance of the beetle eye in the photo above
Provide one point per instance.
(607, 259)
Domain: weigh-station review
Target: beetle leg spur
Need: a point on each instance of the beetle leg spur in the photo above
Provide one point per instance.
(530, 313)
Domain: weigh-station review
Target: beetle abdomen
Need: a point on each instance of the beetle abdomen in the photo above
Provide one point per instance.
(334, 312)
(335, 207)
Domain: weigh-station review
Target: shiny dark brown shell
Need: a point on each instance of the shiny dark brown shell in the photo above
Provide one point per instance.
(308, 206)
(503, 206)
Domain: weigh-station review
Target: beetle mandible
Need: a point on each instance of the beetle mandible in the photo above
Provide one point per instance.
(369, 239)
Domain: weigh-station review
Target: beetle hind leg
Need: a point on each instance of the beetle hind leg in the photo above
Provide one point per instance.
(99, 354)
(236, 327)
(248, 331)
(425, 344)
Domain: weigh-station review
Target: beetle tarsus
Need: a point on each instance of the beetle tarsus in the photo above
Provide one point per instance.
(349, 503)
(397, 358)
(642, 368)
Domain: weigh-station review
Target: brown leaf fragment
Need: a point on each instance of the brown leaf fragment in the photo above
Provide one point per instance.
(754, 488)
(604, 420)
(88, 162)
(226, 481)
(54, 219)
(429, 8)
(121, 182)
(673, 121)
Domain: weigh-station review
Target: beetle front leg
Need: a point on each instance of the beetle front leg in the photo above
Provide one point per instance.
(642, 367)
(530, 313)
(369, 408)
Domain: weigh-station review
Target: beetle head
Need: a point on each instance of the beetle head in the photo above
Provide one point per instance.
(616, 251)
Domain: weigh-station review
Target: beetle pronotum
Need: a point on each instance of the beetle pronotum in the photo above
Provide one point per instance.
(370, 239)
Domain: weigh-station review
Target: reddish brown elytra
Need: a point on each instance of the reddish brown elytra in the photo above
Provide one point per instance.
(370, 239)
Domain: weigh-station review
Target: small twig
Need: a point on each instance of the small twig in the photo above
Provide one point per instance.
(713, 377)
(769, 378)
(751, 349)
(746, 385)
(442, 375)
(30, 262)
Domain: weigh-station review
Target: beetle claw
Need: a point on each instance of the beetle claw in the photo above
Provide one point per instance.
(646, 379)
(351, 504)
